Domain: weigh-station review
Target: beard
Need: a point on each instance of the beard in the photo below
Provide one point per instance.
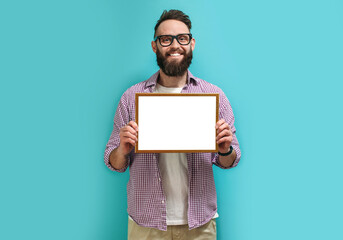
(174, 68)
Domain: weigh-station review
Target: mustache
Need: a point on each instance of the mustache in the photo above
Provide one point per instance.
(180, 51)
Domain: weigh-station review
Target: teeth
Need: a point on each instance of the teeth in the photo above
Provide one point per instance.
(175, 54)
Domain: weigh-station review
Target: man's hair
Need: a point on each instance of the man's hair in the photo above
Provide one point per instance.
(174, 15)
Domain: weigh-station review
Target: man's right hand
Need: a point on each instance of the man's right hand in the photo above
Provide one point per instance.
(128, 137)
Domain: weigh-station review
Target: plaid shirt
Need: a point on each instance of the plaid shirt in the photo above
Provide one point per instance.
(146, 200)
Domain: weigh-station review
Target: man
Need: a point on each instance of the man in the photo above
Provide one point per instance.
(171, 195)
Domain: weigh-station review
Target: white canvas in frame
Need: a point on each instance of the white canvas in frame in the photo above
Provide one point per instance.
(176, 122)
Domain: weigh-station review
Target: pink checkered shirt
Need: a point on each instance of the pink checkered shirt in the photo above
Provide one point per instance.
(146, 200)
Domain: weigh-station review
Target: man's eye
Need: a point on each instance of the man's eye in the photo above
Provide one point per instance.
(165, 40)
(183, 38)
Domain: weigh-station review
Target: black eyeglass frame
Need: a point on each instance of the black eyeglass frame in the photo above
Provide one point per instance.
(173, 37)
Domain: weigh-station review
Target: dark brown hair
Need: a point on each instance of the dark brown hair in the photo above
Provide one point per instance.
(175, 15)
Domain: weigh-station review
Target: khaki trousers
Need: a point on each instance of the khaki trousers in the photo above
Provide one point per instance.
(175, 232)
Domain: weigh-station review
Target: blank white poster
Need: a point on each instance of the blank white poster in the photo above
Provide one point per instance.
(177, 123)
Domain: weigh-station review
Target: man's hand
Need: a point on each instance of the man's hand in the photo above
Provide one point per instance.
(128, 137)
(224, 136)
(224, 139)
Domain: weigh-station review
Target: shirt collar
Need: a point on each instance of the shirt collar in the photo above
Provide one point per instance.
(153, 79)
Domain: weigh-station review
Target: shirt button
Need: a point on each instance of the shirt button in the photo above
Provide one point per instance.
(162, 201)
(159, 179)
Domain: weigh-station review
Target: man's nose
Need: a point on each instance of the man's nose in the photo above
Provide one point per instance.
(175, 44)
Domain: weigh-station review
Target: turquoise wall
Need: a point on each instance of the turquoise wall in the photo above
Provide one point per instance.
(64, 65)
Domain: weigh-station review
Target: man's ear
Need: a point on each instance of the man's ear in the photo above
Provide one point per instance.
(193, 44)
(153, 45)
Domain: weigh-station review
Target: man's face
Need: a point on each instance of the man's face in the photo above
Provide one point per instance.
(175, 59)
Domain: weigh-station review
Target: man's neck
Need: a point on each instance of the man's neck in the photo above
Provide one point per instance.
(175, 82)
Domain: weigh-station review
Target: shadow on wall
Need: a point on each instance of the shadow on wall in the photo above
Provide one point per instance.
(112, 217)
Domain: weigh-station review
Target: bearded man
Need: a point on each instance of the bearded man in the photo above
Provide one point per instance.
(171, 195)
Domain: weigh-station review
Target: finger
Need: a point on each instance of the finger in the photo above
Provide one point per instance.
(224, 133)
(133, 124)
(129, 140)
(129, 129)
(220, 122)
(223, 126)
(227, 139)
(129, 135)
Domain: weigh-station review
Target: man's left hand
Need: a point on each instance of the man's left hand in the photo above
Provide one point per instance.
(224, 136)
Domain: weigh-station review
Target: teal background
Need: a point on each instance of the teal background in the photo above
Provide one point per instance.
(65, 64)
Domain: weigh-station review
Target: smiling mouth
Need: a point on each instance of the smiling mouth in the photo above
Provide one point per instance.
(174, 55)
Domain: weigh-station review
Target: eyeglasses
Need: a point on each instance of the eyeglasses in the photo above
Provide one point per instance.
(167, 40)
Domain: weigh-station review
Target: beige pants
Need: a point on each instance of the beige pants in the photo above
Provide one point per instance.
(177, 232)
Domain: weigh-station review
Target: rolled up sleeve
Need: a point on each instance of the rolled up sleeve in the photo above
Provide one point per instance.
(121, 118)
(226, 113)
